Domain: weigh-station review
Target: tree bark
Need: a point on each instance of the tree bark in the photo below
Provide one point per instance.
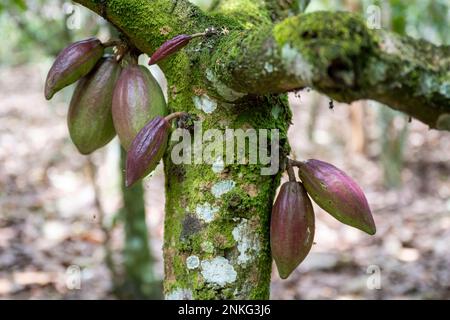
(217, 217)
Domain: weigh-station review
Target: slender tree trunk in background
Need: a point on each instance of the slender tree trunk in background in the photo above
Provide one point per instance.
(216, 242)
(393, 139)
(314, 114)
(139, 281)
(109, 260)
(357, 141)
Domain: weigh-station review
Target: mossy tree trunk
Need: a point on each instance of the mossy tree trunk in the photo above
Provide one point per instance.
(217, 217)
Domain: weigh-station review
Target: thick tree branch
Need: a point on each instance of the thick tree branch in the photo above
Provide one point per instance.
(149, 23)
(334, 53)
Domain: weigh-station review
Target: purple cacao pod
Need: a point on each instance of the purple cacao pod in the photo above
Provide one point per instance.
(291, 227)
(147, 149)
(72, 63)
(337, 193)
(137, 99)
(90, 118)
(169, 47)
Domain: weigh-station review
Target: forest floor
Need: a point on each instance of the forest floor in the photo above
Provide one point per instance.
(50, 227)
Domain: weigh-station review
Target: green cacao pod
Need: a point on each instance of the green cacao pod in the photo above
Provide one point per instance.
(291, 228)
(72, 63)
(90, 114)
(137, 99)
(147, 149)
(335, 192)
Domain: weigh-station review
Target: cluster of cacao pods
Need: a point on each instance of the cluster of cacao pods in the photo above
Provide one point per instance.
(292, 221)
(111, 96)
(116, 96)
(119, 96)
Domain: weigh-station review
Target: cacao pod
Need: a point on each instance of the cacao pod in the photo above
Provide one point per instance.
(137, 99)
(291, 227)
(147, 149)
(72, 63)
(337, 193)
(90, 115)
(169, 47)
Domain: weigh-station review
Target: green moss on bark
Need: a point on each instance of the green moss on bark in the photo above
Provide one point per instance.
(250, 200)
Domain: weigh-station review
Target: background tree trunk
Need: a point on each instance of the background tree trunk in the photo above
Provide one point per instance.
(138, 279)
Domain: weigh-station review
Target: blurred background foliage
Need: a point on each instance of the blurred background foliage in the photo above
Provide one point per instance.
(34, 31)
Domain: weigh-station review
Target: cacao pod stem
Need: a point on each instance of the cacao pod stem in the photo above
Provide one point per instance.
(111, 43)
(290, 172)
(175, 115)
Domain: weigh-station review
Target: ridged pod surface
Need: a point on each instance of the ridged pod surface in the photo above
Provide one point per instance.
(72, 63)
(292, 227)
(338, 194)
(90, 113)
(137, 99)
(147, 149)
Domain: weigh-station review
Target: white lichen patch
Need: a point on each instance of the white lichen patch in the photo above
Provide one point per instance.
(192, 262)
(180, 294)
(205, 103)
(268, 67)
(206, 212)
(207, 247)
(295, 64)
(218, 165)
(218, 271)
(390, 43)
(444, 89)
(222, 89)
(222, 187)
(247, 242)
(427, 84)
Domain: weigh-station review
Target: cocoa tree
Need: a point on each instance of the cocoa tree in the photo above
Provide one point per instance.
(237, 76)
